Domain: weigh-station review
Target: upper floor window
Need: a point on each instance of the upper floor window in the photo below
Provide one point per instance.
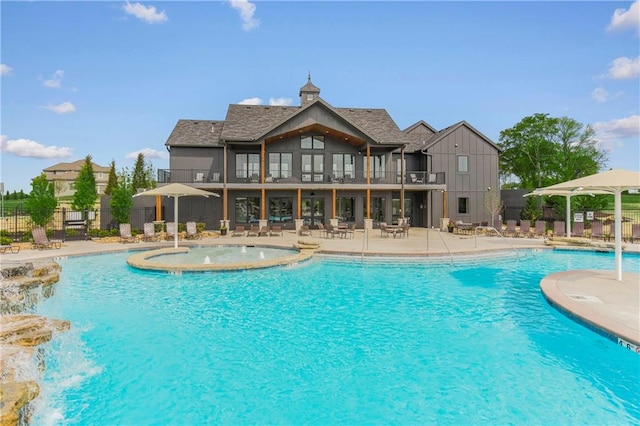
(312, 168)
(248, 166)
(312, 142)
(280, 164)
(377, 166)
(344, 166)
(463, 163)
(463, 205)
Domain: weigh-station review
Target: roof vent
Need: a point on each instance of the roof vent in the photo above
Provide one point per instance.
(213, 127)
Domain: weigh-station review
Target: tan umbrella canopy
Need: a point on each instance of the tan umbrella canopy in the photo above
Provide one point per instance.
(176, 190)
(615, 182)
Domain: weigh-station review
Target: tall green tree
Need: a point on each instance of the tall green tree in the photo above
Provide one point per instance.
(578, 153)
(113, 179)
(85, 184)
(122, 198)
(42, 202)
(139, 178)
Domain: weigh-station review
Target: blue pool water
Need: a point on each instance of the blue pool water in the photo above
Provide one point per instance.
(331, 342)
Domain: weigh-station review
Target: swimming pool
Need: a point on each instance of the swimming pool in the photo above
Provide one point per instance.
(333, 341)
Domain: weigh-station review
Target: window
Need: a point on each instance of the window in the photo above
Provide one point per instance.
(378, 166)
(247, 209)
(463, 205)
(463, 163)
(280, 164)
(344, 166)
(397, 212)
(399, 169)
(309, 96)
(312, 142)
(345, 208)
(281, 209)
(378, 209)
(247, 166)
(312, 168)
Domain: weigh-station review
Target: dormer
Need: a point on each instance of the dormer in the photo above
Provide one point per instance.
(308, 92)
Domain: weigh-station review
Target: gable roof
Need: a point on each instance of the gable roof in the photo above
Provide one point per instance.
(75, 166)
(437, 137)
(419, 124)
(196, 133)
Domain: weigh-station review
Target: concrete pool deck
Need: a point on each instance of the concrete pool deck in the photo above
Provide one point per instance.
(592, 297)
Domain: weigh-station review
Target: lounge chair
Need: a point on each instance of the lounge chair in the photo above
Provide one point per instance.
(577, 230)
(415, 178)
(597, 230)
(264, 231)
(9, 247)
(525, 228)
(305, 231)
(171, 232)
(125, 234)
(199, 177)
(559, 228)
(322, 229)
(239, 231)
(511, 228)
(150, 233)
(635, 232)
(276, 230)
(540, 229)
(192, 231)
(253, 231)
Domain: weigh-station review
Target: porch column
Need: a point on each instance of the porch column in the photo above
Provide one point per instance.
(333, 203)
(262, 154)
(402, 184)
(368, 182)
(299, 215)
(225, 193)
(158, 208)
(263, 203)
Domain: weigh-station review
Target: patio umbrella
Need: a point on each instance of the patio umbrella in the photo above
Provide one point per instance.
(614, 182)
(176, 190)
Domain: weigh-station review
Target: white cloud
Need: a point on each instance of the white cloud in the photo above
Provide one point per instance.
(148, 153)
(246, 10)
(56, 80)
(63, 108)
(251, 101)
(600, 94)
(280, 101)
(624, 68)
(611, 134)
(144, 13)
(32, 149)
(5, 69)
(623, 19)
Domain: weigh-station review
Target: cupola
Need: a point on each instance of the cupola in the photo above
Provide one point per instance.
(308, 92)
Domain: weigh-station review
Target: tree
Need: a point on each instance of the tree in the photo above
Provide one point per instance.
(139, 178)
(541, 150)
(492, 204)
(113, 179)
(121, 198)
(42, 202)
(86, 194)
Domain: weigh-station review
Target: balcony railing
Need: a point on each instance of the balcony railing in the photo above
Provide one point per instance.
(206, 176)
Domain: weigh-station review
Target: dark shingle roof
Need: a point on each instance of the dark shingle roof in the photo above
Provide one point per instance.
(447, 130)
(249, 122)
(377, 123)
(196, 133)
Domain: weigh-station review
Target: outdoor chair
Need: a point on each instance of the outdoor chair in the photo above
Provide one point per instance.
(559, 228)
(238, 231)
(171, 231)
(192, 231)
(351, 231)
(597, 230)
(511, 228)
(254, 231)
(577, 230)
(415, 178)
(199, 177)
(276, 230)
(525, 228)
(540, 229)
(9, 247)
(635, 232)
(305, 231)
(150, 233)
(125, 234)
(322, 230)
(383, 229)
(264, 231)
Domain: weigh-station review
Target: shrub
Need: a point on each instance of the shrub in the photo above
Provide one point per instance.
(5, 240)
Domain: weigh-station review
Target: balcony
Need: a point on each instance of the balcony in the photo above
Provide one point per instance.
(200, 176)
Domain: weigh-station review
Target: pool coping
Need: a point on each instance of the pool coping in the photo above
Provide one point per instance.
(585, 296)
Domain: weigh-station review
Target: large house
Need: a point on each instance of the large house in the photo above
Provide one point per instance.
(312, 163)
(64, 175)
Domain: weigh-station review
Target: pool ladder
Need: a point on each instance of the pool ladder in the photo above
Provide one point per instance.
(490, 228)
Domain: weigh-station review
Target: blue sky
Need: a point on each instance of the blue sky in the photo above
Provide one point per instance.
(111, 79)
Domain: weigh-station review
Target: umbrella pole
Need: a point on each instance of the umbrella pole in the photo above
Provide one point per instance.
(617, 223)
(175, 219)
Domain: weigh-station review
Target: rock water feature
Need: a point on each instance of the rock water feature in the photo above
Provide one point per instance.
(22, 286)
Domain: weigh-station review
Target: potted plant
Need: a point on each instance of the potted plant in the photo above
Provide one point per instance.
(451, 225)
(223, 229)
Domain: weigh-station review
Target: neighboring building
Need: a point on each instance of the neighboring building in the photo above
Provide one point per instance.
(316, 162)
(63, 176)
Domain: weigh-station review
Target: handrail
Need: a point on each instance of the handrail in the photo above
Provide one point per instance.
(445, 245)
(489, 228)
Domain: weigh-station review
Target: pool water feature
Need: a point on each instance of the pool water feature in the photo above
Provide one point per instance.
(332, 342)
(215, 258)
